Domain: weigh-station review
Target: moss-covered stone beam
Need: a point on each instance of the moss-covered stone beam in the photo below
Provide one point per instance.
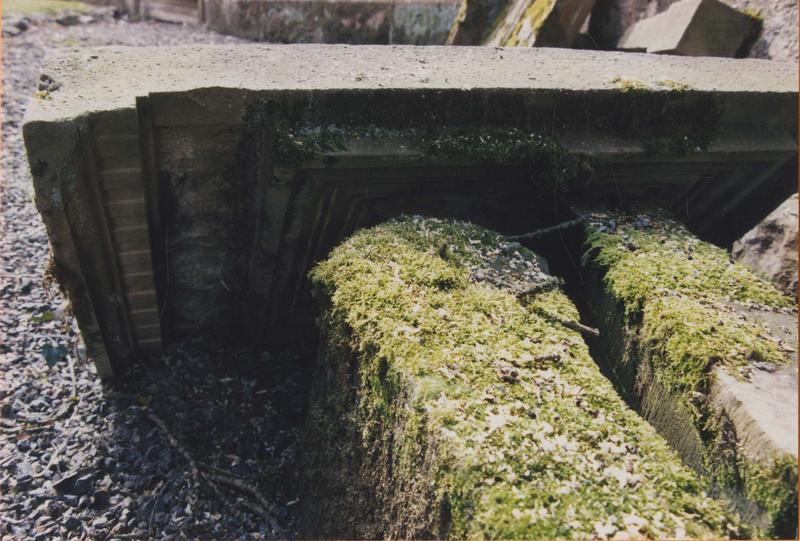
(702, 346)
(450, 401)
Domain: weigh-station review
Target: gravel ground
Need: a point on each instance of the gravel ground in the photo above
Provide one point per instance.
(189, 446)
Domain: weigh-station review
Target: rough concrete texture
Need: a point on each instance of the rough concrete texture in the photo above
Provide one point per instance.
(777, 40)
(451, 401)
(178, 209)
(706, 352)
(542, 23)
(770, 248)
(415, 22)
(111, 78)
(692, 28)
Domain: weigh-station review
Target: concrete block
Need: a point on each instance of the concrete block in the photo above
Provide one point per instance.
(232, 170)
(707, 353)
(451, 401)
(416, 22)
(692, 28)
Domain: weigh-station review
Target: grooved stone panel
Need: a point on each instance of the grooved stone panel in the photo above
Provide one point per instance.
(188, 190)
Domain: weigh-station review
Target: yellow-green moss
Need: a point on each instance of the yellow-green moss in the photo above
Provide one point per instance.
(680, 286)
(678, 283)
(753, 13)
(774, 488)
(680, 295)
(531, 440)
(534, 17)
(675, 86)
(630, 85)
(43, 7)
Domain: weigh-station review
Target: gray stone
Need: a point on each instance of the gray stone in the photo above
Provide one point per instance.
(770, 248)
(692, 28)
(777, 40)
(189, 201)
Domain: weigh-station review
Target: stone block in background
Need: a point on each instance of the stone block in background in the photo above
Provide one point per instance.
(474, 21)
(417, 22)
(453, 400)
(540, 23)
(705, 350)
(692, 28)
(777, 40)
(770, 248)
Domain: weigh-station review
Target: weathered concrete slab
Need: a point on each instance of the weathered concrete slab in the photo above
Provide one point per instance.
(707, 353)
(692, 28)
(229, 170)
(450, 401)
(416, 22)
(770, 248)
(541, 23)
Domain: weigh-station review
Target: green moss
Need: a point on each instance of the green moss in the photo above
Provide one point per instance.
(42, 95)
(294, 145)
(675, 86)
(679, 286)
(502, 146)
(530, 440)
(774, 488)
(630, 85)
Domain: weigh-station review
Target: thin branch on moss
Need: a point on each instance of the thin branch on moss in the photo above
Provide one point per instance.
(568, 323)
(547, 230)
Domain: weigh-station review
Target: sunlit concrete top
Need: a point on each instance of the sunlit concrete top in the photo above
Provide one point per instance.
(107, 78)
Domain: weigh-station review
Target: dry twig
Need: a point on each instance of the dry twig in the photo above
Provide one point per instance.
(547, 230)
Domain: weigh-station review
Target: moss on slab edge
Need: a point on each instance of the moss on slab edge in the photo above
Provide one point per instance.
(531, 440)
(297, 144)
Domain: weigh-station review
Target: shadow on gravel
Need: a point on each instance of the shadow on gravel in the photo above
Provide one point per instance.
(213, 436)
(201, 442)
